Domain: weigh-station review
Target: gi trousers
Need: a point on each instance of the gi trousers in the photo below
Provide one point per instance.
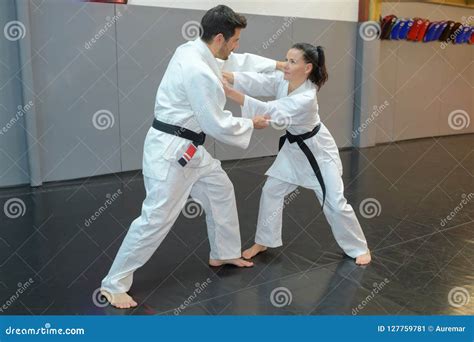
(210, 186)
(339, 214)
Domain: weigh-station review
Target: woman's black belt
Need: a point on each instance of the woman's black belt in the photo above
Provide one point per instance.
(299, 139)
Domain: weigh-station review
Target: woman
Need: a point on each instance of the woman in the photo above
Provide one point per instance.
(308, 154)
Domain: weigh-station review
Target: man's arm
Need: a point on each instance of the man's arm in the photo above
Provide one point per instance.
(280, 65)
(291, 109)
(203, 92)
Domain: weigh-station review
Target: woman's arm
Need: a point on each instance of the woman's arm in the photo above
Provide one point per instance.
(255, 84)
(293, 110)
(232, 93)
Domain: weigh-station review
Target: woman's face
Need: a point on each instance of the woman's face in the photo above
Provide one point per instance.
(296, 68)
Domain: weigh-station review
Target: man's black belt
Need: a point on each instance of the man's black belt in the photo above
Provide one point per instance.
(299, 139)
(196, 138)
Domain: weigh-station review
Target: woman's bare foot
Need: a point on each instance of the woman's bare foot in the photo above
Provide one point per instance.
(253, 251)
(236, 262)
(363, 259)
(119, 300)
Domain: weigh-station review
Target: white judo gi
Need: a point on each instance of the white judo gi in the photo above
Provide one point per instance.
(299, 110)
(190, 95)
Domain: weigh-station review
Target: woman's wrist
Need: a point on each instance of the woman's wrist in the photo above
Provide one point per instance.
(228, 76)
(237, 96)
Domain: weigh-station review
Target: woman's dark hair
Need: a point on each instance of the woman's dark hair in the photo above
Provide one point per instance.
(315, 56)
(221, 19)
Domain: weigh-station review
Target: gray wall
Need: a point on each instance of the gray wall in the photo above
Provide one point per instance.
(72, 84)
(120, 72)
(117, 76)
(13, 156)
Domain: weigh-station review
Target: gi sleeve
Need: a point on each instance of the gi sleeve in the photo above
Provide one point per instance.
(248, 62)
(291, 110)
(204, 94)
(256, 84)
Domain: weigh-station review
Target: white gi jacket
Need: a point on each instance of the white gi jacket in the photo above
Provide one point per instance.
(299, 110)
(191, 96)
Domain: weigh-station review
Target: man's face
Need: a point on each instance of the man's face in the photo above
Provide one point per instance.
(229, 46)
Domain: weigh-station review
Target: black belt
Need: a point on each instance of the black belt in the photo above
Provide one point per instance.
(299, 139)
(196, 138)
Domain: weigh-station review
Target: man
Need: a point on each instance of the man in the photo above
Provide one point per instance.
(189, 104)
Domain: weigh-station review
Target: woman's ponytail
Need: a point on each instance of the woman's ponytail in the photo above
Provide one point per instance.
(321, 75)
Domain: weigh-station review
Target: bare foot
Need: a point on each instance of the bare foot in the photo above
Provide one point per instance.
(119, 300)
(253, 251)
(236, 262)
(363, 259)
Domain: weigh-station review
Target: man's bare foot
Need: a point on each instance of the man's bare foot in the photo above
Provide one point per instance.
(363, 259)
(236, 262)
(253, 251)
(119, 300)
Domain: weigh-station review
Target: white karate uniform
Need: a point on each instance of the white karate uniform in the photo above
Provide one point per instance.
(190, 95)
(299, 110)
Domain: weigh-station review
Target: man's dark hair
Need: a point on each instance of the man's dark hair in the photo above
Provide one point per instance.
(221, 19)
